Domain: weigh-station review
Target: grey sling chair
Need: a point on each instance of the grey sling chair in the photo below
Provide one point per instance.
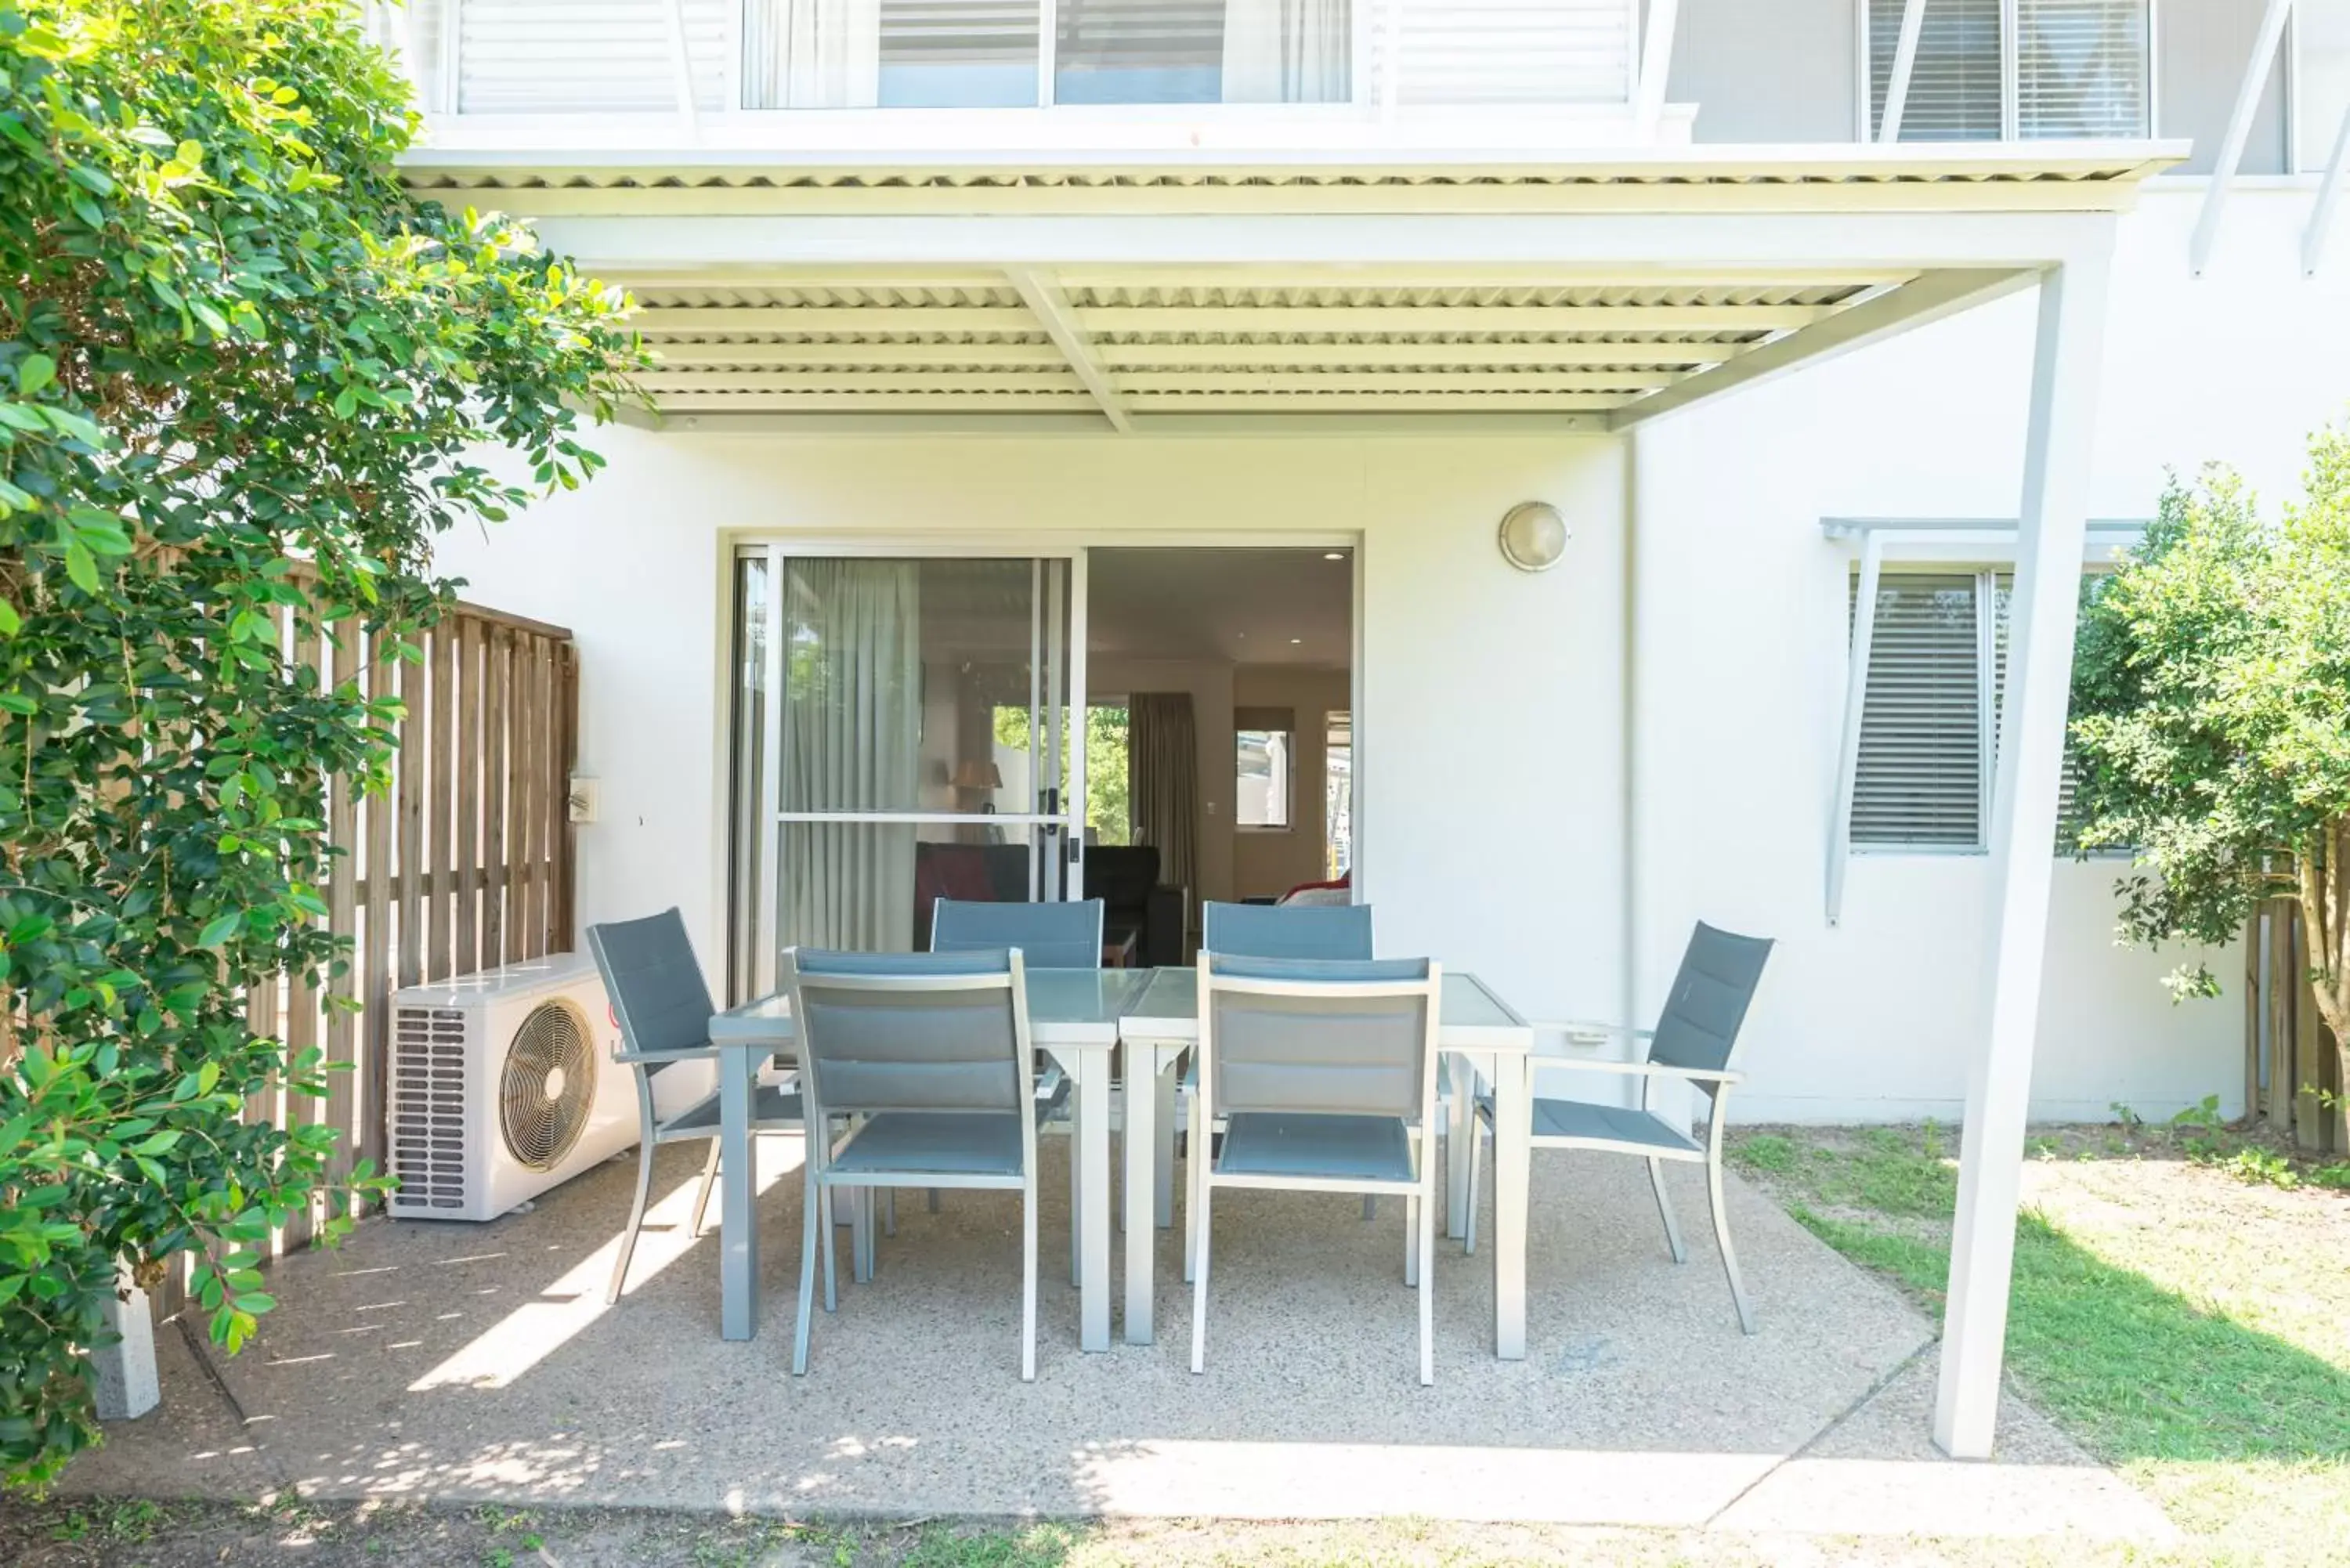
(1695, 1040)
(1051, 935)
(928, 1056)
(1275, 931)
(662, 1006)
(1326, 1074)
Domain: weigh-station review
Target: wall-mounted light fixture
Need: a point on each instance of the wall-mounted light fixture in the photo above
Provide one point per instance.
(1533, 536)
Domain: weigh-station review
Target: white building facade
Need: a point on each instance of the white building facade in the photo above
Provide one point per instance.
(1769, 303)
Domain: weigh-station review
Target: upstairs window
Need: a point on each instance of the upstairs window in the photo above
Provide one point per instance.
(1988, 70)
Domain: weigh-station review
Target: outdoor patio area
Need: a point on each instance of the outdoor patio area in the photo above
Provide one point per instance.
(459, 1362)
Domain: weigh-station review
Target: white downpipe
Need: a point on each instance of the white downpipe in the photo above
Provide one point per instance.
(1855, 704)
(2240, 129)
(1904, 61)
(2329, 193)
(2066, 363)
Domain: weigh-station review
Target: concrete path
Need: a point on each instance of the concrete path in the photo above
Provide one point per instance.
(479, 1362)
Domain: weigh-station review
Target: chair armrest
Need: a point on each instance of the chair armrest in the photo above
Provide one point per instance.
(663, 1058)
(1646, 1070)
(1584, 1029)
(1049, 1082)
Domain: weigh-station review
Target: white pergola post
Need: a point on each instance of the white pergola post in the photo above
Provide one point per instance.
(2066, 364)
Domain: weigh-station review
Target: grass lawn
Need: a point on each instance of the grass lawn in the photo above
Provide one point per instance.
(2181, 1307)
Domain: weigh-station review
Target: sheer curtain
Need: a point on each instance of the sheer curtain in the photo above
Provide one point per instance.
(852, 742)
(812, 53)
(1287, 51)
(1162, 783)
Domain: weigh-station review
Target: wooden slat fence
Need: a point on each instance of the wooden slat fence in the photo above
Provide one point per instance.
(465, 864)
(2287, 1048)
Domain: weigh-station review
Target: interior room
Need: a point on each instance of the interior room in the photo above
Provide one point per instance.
(1219, 694)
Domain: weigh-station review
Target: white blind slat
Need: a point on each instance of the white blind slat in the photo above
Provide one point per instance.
(2080, 69)
(1919, 779)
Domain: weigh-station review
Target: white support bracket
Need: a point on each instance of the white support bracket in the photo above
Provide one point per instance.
(2329, 193)
(1904, 61)
(1656, 67)
(1046, 303)
(1856, 703)
(2239, 130)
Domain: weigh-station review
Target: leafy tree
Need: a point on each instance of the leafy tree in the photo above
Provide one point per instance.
(228, 339)
(2211, 715)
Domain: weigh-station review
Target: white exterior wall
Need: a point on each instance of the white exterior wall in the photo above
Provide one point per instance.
(1494, 759)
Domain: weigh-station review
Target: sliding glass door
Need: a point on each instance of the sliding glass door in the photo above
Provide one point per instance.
(900, 733)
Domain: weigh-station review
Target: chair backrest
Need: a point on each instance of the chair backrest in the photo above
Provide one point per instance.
(1326, 1038)
(1049, 936)
(911, 1032)
(1698, 1027)
(654, 985)
(1287, 930)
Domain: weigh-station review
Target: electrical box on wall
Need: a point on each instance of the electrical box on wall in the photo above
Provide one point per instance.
(584, 799)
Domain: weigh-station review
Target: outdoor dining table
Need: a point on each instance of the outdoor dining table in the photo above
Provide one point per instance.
(1073, 1015)
(1474, 1027)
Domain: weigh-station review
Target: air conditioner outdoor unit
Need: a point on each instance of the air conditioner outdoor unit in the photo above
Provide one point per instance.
(502, 1084)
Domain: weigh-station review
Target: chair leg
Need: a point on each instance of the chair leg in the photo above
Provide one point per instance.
(1077, 1201)
(1370, 1207)
(890, 1212)
(1476, 1142)
(1199, 1217)
(934, 1200)
(831, 1288)
(811, 1214)
(1722, 1238)
(1190, 1189)
(1028, 1279)
(709, 1179)
(637, 1218)
(1411, 1242)
(1426, 1205)
(1665, 1211)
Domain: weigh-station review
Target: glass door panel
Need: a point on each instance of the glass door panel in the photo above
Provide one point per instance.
(910, 748)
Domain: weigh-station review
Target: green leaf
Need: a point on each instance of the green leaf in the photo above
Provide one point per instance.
(35, 371)
(81, 566)
(222, 927)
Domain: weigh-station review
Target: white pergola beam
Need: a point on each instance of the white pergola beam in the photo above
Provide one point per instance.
(1904, 61)
(2052, 535)
(2239, 130)
(1466, 398)
(1304, 381)
(1410, 354)
(833, 320)
(1392, 319)
(2329, 193)
(1934, 295)
(674, 356)
(942, 382)
(1051, 308)
(910, 399)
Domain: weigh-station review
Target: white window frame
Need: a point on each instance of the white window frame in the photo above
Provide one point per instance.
(2010, 73)
(1944, 545)
(1288, 823)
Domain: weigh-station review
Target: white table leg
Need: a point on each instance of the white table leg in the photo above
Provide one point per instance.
(738, 1180)
(1461, 1126)
(1142, 1106)
(1093, 1182)
(1512, 1167)
(1162, 1156)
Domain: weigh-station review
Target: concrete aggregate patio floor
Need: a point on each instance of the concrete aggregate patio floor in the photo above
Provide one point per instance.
(479, 1362)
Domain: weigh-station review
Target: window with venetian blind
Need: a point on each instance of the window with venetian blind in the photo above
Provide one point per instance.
(1930, 721)
(2072, 69)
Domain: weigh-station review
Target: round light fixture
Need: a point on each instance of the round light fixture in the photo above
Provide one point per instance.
(1533, 536)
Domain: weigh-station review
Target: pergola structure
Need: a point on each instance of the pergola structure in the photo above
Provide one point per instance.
(1326, 291)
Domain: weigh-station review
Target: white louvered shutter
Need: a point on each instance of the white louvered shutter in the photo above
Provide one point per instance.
(584, 56)
(959, 33)
(1467, 52)
(2080, 68)
(1954, 89)
(1919, 780)
(2068, 816)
